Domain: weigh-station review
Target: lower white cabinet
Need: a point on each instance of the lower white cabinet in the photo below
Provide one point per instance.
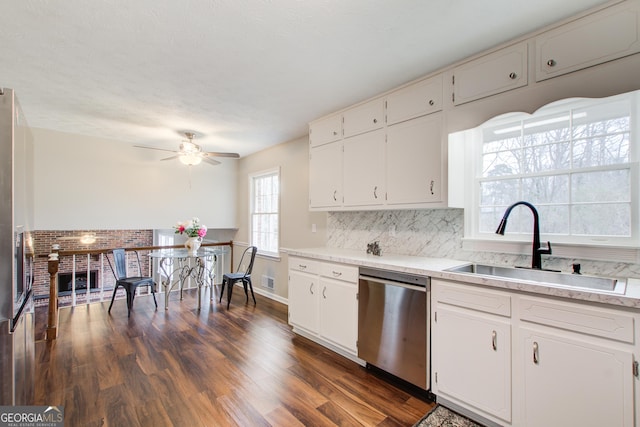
(471, 349)
(570, 380)
(522, 360)
(323, 303)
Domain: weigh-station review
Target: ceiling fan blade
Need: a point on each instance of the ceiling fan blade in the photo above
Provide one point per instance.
(215, 154)
(171, 158)
(154, 148)
(211, 161)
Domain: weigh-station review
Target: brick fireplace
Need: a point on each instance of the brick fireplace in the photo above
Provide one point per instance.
(99, 275)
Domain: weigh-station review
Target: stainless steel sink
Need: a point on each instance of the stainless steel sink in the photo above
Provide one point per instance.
(550, 277)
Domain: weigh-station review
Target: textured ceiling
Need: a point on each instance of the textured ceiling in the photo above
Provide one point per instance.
(242, 74)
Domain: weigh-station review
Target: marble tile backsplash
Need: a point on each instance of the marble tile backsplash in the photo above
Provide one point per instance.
(438, 233)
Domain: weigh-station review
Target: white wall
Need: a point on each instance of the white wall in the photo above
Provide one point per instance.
(93, 183)
(295, 219)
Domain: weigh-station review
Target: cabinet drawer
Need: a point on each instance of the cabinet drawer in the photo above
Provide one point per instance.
(304, 264)
(347, 273)
(363, 118)
(471, 297)
(488, 75)
(419, 99)
(603, 36)
(325, 130)
(593, 321)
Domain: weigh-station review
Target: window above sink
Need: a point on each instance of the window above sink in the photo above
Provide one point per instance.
(576, 160)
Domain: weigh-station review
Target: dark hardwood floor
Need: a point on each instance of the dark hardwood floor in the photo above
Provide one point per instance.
(181, 367)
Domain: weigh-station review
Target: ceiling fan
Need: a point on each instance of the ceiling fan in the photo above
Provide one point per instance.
(191, 153)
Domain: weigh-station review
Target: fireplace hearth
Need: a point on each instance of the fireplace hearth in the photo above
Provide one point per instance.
(65, 282)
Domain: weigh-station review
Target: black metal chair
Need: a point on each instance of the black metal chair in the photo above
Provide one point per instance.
(130, 284)
(243, 275)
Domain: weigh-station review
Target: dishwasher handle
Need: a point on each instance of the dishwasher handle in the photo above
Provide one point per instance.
(393, 283)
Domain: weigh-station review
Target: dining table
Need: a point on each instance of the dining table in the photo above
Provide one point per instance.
(177, 266)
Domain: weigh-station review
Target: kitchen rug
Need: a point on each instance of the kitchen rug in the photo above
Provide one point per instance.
(443, 417)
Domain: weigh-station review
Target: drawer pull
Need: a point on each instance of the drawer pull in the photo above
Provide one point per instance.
(334, 195)
(375, 120)
(311, 289)
(431, 102)
(323, 292)
(494, 340)
(375, 192)
(536, 358)
(335, 133)
(302, 266)
(551, 62)
(513, 76)
(431, 186)
(337, 273)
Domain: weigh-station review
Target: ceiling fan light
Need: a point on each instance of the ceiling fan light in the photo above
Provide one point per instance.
(190, 159)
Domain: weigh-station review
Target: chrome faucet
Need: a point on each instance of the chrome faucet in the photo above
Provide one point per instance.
(537, 251)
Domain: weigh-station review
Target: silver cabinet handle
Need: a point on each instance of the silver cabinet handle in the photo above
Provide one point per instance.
(323, 292)
(375, 192)
(431, 186)
(513, 76)
(551, 62)
(302, 266)
(335, 133)
(494, 340)
(431, 102)
(334, 195)
(311, 288)
(375, 120)
(337, 273)
(536, 358)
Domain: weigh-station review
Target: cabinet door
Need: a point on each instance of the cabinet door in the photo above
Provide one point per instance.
(569, 381)
(490, 74)
(471, 357)
(364, 118)
(414, 161)
(363, 169)
(418, 99)
(303, 300)
(603, 36)
(325, 175)
(339, 312)
(325, 130)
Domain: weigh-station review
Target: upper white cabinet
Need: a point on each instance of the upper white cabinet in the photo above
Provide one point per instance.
(325, 130)
(414, 161)
(363, 171)
(418, 99)
(325, 175)
(603, 36)
(364, 118)
(490, 74)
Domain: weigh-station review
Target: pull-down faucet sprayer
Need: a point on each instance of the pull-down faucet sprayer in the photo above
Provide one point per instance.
(536, 250)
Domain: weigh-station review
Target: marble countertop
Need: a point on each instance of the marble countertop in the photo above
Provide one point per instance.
(627, 296)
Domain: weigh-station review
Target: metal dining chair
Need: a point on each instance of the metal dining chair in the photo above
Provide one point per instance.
(130, 284)
(243, 275)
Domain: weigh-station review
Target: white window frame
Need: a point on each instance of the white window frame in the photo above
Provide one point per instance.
(615, 248)
(252, 180)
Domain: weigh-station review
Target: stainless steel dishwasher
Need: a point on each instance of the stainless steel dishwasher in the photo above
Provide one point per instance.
(393, 316)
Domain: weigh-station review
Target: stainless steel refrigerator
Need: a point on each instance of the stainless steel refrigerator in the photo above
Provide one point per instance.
(17, 344)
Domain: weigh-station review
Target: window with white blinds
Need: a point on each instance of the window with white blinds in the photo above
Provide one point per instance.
(265, 207)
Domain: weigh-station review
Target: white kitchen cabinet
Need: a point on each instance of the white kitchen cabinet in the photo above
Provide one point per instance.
(491, 74)
(576, 364)
(471, 348)
(417, 99)
(569, 381)
(363, 169)
(339, 312)
(323, 131)
(602, 36)
(323, 303)
(304, 286)
(364, 118)
(414, 161)
(325, 175)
